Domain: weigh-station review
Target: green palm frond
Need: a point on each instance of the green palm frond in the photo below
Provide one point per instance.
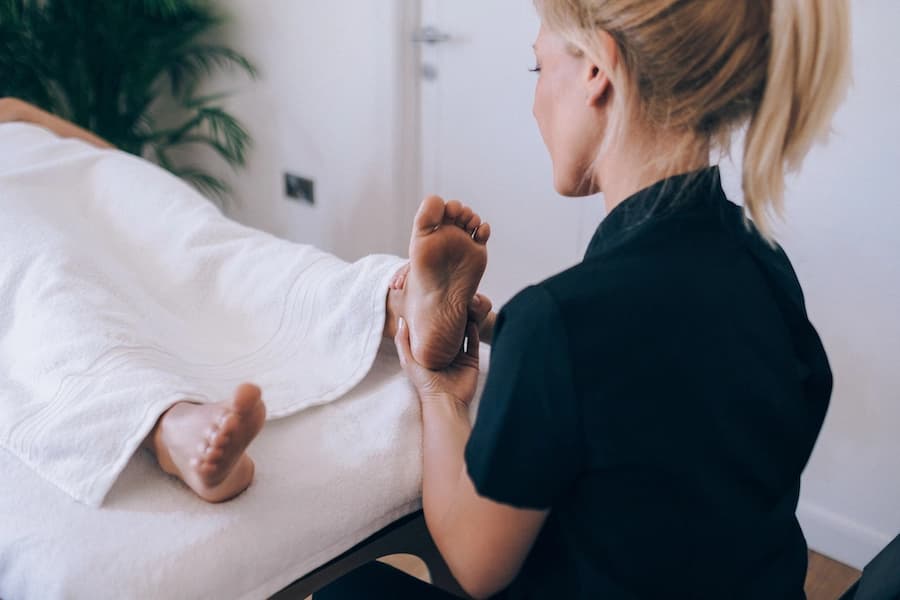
(211, 186)
(105, 64)
(213, 127)
(23, 65)
(196, 62)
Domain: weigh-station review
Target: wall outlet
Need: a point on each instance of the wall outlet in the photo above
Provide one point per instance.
(299, 188)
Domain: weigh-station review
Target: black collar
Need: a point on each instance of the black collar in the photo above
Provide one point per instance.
(669, 196)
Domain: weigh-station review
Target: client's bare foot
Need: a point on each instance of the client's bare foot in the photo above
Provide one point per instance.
(447, 256)
(204, 444)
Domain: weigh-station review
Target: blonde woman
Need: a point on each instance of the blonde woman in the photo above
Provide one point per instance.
(648, 413)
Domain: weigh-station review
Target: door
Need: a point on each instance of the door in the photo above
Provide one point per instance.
(480, 143)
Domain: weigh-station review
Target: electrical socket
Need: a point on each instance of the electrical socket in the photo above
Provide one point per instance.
(299, 188)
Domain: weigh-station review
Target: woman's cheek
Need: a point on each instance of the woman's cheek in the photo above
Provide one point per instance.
(541, 111)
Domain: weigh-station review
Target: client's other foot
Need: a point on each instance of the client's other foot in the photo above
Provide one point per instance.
(447, 257)
(204, 444)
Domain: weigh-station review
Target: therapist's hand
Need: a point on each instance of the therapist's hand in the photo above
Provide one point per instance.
(457, 382)
(482, 314)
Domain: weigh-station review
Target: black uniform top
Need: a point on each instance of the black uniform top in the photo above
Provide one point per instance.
(661, 398)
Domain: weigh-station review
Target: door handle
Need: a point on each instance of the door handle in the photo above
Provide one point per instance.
(431, 36)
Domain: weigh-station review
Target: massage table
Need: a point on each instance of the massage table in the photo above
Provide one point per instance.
(336, 486)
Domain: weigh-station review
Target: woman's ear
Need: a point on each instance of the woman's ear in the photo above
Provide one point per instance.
(598, 76)
(597, 85)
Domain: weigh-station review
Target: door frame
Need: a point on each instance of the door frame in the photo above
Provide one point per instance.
(406, 118)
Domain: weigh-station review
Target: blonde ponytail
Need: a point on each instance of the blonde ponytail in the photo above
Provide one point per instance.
(808, 73)
(706, 67)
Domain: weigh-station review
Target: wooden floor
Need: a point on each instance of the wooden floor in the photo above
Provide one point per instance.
(410, 564)
(826, 579)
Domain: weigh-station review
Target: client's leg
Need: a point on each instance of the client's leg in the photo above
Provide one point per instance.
(448, 256)
(205, 445)
(15, 110)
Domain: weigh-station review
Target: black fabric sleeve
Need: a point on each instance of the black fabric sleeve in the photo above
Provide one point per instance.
(525, 447)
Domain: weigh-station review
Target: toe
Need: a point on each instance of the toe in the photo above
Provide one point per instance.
(464, 217)
(431, 214)
(207, 469)
(215, 455)
(472, 226)
(246, 398)
(482, 234)
(453, 210)
(222, 436)
(223, 440)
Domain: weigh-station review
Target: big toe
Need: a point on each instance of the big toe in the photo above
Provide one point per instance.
(247, 398)
(430, 214)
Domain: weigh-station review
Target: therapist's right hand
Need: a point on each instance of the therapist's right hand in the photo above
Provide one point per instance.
(456, 382)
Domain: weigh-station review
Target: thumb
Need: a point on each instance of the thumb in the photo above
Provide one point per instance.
(473, 343)
(480, 308)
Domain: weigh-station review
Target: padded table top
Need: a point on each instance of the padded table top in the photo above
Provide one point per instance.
(326, 479)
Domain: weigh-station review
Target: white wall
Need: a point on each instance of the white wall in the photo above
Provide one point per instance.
(843, 236)
(324, 107)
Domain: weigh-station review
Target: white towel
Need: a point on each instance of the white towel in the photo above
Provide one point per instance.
(122, 291)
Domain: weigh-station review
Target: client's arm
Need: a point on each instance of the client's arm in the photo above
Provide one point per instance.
(13, 109)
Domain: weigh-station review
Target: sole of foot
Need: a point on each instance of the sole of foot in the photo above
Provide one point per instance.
(448, 256)
(205, 445)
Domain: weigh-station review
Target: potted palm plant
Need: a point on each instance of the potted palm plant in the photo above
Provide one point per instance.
(108, 65)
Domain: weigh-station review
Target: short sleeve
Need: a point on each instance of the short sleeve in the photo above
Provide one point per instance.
(525, 448)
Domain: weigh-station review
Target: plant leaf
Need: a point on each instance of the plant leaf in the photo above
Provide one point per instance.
(209, 185)
(106, 65)
(194, 62)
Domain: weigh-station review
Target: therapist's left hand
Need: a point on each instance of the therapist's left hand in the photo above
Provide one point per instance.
(458, 381)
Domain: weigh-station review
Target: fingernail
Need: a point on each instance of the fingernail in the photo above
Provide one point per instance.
(401, 323)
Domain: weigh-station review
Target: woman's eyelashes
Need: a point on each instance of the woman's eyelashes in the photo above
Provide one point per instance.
(536, 68)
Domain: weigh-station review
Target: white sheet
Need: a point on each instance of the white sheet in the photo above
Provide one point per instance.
(326, 479)
(123, 291)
